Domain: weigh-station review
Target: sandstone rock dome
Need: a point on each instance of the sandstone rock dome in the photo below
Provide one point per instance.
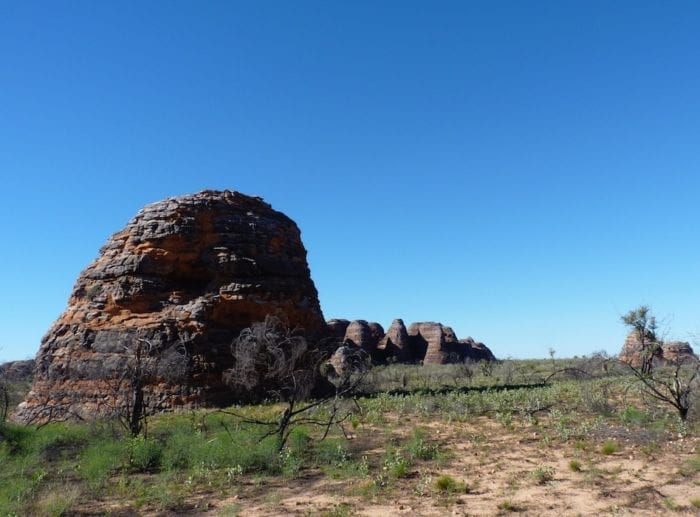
(188, 271)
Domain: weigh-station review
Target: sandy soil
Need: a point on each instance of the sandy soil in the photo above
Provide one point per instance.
(496, 464)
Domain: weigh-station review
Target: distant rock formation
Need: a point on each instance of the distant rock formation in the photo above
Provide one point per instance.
(674, 351)
(667, 352)
(395, 343)
(17, 371)
(188, 274)
(631, 352)
(190, 271)
(476, 350)
(364, 335)
(426, 342)
(336, 329)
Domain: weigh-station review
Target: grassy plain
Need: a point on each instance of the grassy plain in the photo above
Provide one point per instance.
(448, 440)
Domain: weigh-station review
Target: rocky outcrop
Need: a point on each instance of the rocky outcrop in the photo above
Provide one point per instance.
(395, 343)
(426, 342)
(189, 273)
(433, 341)
(670, 352)
(475, 351)
(366, 336)
(336, 329)
(363, 334)
(17, 371)
(633, 349)
(677, 351)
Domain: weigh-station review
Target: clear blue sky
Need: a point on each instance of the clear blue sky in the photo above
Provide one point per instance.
(522, 171)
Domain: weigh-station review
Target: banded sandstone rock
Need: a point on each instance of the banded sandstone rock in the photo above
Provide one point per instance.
(336, 329)
(395, 342)
(15, 371)
(432, 341)
(632, 349)
(363, 334)
(427, 342)
(475, 351)
(189, 271)
(677, 351)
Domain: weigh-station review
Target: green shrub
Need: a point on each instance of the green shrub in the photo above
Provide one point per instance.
(61, 440)
(17, 439)
(609, 447)
(396, 465)
(299, 439)
(419, 448)
(448, 484)
(690, 467)
(509, 506)
(575, 465)
(543, 474)
(100, 460)
(182, 449)
(631, 415)
(144, 453)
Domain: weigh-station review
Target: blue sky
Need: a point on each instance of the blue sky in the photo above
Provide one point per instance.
(522, 171)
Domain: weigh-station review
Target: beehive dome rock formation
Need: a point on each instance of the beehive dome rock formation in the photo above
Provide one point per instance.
(677, 351)
(632, 351)
(189, 271)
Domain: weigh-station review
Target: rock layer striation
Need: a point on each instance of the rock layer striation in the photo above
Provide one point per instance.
(632, 351)
(16, 371)
(426, 342)
(186, 273)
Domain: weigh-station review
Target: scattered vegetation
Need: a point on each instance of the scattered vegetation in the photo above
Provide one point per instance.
(385, 433)
(609, 447)
(575, 466)
(543, 474)
(509, 506)
(448, 484)
(272, 359)
(674, 381)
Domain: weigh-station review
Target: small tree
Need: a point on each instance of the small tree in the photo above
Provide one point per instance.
(675, 382)
(273, 361)
(643, 323)
(143, 364)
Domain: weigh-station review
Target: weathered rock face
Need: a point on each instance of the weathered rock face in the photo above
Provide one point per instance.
(16, 371)
(631, 352)
(475, 350)
(427, 342)
(364, 335)
(677, 351)
(395, 342)
(189, 271)
(433, 341)
(336, 329)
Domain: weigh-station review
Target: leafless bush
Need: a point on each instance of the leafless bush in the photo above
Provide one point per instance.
(274, 361)
(670, 382)
(463, 372)
(143, 364)
(674, 384)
